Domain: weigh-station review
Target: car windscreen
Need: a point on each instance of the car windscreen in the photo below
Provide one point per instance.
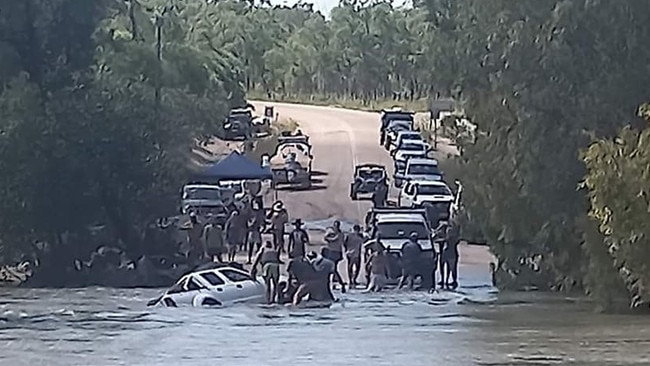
(397, 230)
(202, 194)
(430, 190)
(371, 173)
(423, 169)
(410, 136)
(400, 125)
(411, 147)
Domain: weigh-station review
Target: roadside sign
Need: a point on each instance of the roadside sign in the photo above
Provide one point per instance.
(268, 112)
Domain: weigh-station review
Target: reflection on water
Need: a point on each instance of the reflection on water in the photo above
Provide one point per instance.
(475, 326)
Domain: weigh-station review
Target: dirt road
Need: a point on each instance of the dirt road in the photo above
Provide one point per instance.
(340, 138)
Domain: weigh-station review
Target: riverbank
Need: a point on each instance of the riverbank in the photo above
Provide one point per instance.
(418, 105)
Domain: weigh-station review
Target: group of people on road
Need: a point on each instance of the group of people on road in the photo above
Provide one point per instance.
(311, 273)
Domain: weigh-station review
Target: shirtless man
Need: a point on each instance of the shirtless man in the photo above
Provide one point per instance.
(269, 257)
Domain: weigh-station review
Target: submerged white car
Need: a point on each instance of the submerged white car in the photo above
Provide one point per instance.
(219, 286)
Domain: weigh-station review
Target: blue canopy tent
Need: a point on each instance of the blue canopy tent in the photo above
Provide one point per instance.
(236, 167)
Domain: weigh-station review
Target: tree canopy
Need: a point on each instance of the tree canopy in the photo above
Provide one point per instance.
(99, 102)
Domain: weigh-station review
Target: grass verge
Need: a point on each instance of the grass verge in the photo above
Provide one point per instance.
(418, 105)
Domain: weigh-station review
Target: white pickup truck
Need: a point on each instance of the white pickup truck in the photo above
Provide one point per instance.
(393, 227)
(415, 193)
(418, 169)
(403, 136)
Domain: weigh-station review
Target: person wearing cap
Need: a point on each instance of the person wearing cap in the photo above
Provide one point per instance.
(411, 256)
(279, 218)
(298, 240)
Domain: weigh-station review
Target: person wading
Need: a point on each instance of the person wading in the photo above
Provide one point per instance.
(298, 240)
(441, 240)
(213, 241)
(269, 257)
(450, 254)
(305, 276)
(334, 239)
(235, 235)
(411, 257)
(253, 236)
(279, 218)
(325, 268)
(352, 246)
(378, 271)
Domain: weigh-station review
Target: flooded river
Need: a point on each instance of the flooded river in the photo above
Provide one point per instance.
(96, 326)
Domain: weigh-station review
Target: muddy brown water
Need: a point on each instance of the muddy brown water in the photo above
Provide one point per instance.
(474, 326)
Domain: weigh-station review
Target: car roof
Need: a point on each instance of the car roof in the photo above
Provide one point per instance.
(425, 182)
(423, 161)
(202, 186)
(370, 165)
(413, 142)
(400, 133)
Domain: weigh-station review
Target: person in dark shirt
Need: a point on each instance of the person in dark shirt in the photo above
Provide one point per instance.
(305, 275)
(411, 256)
(450, 257)
(298, 241)
(380, 195)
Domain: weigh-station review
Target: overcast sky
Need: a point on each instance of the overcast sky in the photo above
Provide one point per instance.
(323, 5)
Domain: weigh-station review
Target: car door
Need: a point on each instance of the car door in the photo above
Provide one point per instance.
(409, 196)
(181, 293)
(245, 286)
(219, 287)
(404, 199)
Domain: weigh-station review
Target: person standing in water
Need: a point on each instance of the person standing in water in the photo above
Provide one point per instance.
(411, 256)
(325, 268)
(213, 241)
(378, 271)
(269, 257)
(306, 277)
(279, 218)
(352, 246)
(451, 256)
(235, 235)
(253, 237)
(334, 239)
(194, 233)
(298, 241)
